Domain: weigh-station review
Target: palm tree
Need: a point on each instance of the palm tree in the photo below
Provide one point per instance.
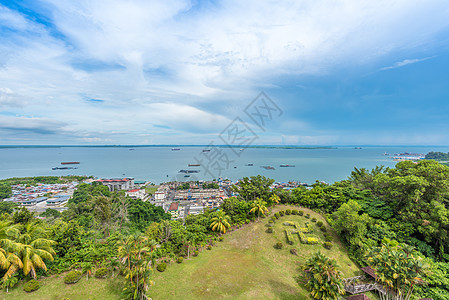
(220, 222)
(33, 255)
(87, 267)
(258, 206)
(324, 281)
(8, 260)
(135, 253)
(275, 199)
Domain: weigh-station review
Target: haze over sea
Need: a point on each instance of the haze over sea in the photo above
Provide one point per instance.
(159, 164)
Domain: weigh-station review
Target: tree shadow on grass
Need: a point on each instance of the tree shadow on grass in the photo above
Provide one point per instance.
(284, 291)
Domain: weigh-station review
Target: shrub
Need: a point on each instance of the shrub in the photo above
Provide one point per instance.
(294, 251)
(307, 216)
(31, 286)
(282, 213)
(319, 223)
(288, 212)
(294, 212)
(221, 238)
(312, 241)
(300, 213)
(247, 221)
(180, 259)
(327, 245)
(72, 277)
(161, 267)
(323, 228)
(278, 245)
(209, 247)
(313, 219)
(196, 253)
(327, 237)
(273, 218)
(270, 221)
(289, 237)
(270, 230)
(277, 215)
(101, 273)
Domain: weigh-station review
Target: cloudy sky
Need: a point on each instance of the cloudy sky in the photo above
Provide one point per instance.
(344, 72)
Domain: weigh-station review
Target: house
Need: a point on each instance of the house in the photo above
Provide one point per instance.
(136, 193)
(118, 184)
(173, 210)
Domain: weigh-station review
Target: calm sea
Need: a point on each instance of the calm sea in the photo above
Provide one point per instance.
(160, 164)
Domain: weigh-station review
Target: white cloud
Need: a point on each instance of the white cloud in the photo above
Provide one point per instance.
(156, 62)
(405, 62)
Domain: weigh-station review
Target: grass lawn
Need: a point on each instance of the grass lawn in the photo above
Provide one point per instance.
(244, 266)
(151, 189)
(54, 288)
(247, 266)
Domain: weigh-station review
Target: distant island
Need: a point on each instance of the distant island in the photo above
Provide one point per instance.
(169, 146)
(440, 156)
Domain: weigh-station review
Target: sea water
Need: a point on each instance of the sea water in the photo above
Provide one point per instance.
(161, 164)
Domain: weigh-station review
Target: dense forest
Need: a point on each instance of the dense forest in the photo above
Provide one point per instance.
(396, 215)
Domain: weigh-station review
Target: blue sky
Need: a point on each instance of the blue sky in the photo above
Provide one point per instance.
(344, 72)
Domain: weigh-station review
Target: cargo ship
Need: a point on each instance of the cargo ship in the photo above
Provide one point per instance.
(286, 166)
(70, 163)
(194, 165)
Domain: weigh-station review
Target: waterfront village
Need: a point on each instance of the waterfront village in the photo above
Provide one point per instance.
(179, 199)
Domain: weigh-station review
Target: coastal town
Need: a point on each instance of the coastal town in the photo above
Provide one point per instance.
(179, 199)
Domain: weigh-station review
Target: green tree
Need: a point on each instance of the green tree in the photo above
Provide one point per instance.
(135, 254)
(5, 190)
(397, 268)
(258, 207)
(254, 187)
(324, 280)
(220, 222)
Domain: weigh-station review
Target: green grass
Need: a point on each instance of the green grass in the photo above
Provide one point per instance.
(54, 288)
(151, 189)
(244, 266)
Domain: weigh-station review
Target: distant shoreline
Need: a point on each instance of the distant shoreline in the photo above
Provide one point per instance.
(167, 146)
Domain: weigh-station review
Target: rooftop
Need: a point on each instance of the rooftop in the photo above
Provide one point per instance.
(173, 206)
(133, 191)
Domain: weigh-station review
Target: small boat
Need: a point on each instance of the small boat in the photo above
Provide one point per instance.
(194, 165)
(175, 149)
(357, 147)
(206, 150)
(249, 165)
(64, 168)
(70, 163)
(131, 149)
(268, 167)
(287, 166)
(189, 171)
(186, 175)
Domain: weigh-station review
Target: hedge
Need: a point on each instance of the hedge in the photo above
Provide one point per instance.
(72, 277)
(31, 286)
(161, 267)
(101, 273)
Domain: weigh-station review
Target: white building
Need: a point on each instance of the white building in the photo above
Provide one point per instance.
(136, 193)
(118, 184)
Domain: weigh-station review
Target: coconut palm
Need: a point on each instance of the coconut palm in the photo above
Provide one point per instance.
(220, 222)
(258, 207)
(33, 254)
(324, 281)
(8, 260)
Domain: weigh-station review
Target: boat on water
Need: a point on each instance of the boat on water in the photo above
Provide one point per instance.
(287, 166)
(186, 175)
(175, 149)
(249, 165)
(194, 165)
(189, 171)
(206, 150)
(357, 147)
(70, 163)
(63, 168)
(268, 168)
